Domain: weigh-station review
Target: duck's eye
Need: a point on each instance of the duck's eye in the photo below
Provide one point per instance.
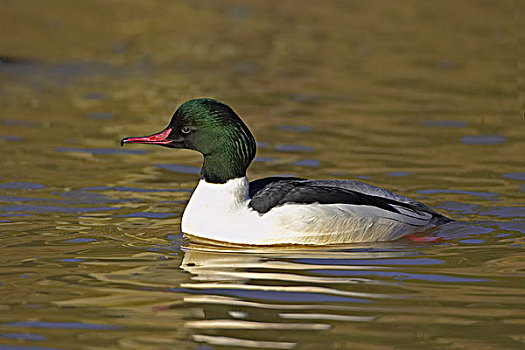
(185, 129)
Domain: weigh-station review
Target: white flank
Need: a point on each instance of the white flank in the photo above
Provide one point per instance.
(220, 212)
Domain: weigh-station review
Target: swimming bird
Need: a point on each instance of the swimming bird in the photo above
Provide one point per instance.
(227, 209)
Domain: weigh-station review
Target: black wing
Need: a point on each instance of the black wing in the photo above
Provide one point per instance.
(278, 191)
(259, 184)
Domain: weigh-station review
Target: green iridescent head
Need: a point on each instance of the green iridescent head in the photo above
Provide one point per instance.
(213, 129)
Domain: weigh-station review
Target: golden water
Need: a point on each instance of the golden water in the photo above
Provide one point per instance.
(423, 98)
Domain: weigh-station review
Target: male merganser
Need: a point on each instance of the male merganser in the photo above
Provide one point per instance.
(228, 209)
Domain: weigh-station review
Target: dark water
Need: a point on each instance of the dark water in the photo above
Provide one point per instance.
(422, 98)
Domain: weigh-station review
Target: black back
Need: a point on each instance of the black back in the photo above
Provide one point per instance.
(272, 192)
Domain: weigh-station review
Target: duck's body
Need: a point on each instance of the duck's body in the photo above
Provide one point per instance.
(226, 208)
(227, 213)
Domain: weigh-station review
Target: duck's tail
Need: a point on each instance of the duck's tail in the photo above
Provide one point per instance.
(439, 219)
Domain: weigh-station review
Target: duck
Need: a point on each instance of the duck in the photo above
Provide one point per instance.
(226, 209)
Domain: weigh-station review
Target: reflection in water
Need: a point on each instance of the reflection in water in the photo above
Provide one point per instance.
(239, 293)
(276, 298)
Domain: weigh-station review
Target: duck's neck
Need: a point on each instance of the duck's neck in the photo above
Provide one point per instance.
(220, 168)
(230, 157)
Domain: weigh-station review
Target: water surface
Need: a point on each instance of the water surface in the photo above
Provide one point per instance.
(424, 99)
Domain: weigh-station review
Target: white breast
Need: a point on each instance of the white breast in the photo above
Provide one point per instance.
(220, 211)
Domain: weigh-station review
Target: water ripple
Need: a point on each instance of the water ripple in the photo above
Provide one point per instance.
(61, 325)
(51, 209)
(99, 150)
(487, 195)
(22, 185)
(483, 139)
(184, 169)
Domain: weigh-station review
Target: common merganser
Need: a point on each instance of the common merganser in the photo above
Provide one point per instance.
(225, 208)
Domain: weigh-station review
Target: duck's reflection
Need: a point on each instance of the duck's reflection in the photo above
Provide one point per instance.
(277, 298)
(254, 297)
